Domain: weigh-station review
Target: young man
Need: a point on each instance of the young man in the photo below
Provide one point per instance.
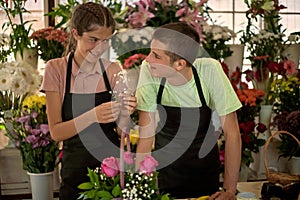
(186, 91)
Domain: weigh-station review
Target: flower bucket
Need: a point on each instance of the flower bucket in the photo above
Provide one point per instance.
(41, 185)
(236, 59)
(292, 52)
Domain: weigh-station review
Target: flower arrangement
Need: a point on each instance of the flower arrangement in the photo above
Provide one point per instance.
(30, 134)
(141, 16)
(51, 43)
(288, 121)
(286, 92)
(105, 181)
(265, 50)
(19, 37)
(132, 41)
(249, 129)
(266, 9)
(215, 38)
(134, 61)
(16, 81)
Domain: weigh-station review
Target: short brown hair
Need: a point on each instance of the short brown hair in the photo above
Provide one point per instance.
(181, 39)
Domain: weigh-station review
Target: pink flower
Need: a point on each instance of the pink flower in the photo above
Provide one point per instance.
(110, 166)
(128, 158)
(289, 66)
(148, 165)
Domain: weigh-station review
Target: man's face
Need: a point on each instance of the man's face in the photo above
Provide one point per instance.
(159, 61)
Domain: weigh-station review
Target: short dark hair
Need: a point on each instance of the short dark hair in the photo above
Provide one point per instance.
(181, 39)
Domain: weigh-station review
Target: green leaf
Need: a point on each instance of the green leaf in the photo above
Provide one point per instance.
(86, 186)
(116, 192)
(104, 194)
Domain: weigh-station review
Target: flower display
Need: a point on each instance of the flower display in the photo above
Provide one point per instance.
(51, 43)
(288, 121)
(249, 129)
(268, 10)
(16, 81)
(286, 92)
(28, 130)
(105, 180)
(139, 18)
(155, 13)
(215, 38)
(265, 50)
(134, 61)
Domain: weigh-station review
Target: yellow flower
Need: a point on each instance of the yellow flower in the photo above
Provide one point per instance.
(34, 101)
(134, 136)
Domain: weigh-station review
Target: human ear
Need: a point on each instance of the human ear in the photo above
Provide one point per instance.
(180, 64)
(75, 33)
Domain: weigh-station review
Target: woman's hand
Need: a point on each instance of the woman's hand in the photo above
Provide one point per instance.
(128, 103)
(107, 112)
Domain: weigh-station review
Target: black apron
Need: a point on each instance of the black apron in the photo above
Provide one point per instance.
(177, 144)
(77, 150)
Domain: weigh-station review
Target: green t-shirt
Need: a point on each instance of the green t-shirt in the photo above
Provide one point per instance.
(216, 87)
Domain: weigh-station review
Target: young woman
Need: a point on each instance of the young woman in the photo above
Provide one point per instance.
(78, 90)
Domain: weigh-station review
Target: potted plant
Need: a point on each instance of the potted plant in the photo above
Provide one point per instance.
(19, 36)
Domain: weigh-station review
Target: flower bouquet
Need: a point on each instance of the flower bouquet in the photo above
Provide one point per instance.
(51, 43)
(215, 38)
(30, 134)
(16, 81)
(105, 181)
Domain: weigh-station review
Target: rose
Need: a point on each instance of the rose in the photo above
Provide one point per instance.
(110, 166)
(128, 158)
(147, 166)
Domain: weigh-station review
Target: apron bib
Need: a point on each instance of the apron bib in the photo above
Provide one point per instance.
(77, 150)
(180, 138)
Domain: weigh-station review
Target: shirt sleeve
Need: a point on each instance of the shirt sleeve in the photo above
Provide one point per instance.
(147, 88)
(222, 96)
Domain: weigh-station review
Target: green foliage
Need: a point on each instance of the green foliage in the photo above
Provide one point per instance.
(19, 37)
(107, 188)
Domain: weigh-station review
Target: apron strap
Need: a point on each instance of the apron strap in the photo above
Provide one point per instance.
(198, 84)
(161, 89)
(106, 81)
(69, 71)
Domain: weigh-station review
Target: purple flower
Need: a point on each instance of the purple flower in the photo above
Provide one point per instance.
(28, 127)
(44, 128)
(35, 131)
(23, 119)
(44, 142)
(34, 114)
(32, 139)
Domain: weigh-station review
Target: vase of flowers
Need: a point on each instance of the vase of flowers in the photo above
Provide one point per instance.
(28, 130)
(51, 43)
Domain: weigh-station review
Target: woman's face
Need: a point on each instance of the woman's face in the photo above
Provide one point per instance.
(159, 61)
(92, 44)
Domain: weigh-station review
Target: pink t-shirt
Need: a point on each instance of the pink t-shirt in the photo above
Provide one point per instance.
(81, 82)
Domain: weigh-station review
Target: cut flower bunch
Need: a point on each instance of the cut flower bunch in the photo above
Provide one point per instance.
(16, 81)
(105, 181)
(51, 43)
(28, 130)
